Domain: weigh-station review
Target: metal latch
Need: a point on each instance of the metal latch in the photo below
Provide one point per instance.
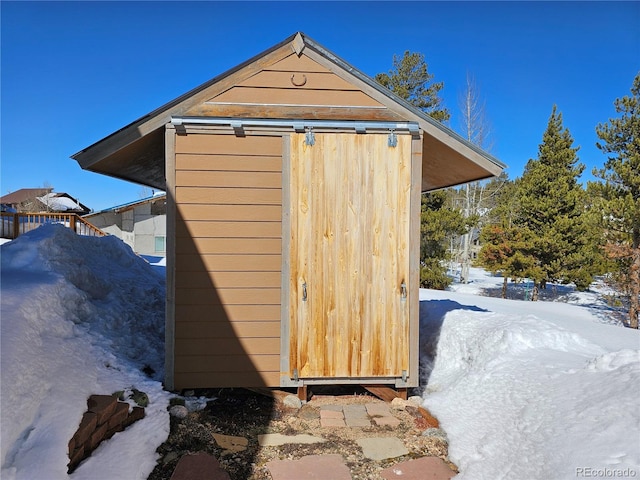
(403, 291)
(304, 292)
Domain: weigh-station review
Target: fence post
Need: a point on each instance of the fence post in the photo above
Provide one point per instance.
(16, 225)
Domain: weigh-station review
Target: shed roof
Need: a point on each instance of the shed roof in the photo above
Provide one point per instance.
(136, 152)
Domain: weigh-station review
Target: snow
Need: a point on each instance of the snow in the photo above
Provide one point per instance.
(80, 316)
(524, 390)
(535, 390)
(59, 204)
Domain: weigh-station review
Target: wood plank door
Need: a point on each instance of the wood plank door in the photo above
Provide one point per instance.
(349, 256)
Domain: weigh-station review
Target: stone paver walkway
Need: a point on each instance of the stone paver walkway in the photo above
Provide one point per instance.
(311, 467)
(357, 415)
(333, 418)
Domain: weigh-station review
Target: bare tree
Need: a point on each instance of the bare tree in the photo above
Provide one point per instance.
(477, 130)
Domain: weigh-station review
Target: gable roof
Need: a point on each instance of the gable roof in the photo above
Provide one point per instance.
(24, 194)
(136, 151)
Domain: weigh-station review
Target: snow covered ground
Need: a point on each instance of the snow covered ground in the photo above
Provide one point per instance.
(525, 391)
(531, 390)
(79, 316)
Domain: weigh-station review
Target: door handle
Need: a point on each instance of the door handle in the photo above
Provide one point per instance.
(304, 292)
(403, 291)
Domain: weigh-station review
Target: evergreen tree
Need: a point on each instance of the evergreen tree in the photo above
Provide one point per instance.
(411, 81)
(504, 245)
(620, 192)
(438, 222)
(551, 212)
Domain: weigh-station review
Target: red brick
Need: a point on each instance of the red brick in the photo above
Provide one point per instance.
(119, 415)
(97, 436)
(136, 414)
(102, 405)
(88, 424)
(75, 458)
(112, 431)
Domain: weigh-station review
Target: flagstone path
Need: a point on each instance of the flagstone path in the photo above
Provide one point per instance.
(337, 438)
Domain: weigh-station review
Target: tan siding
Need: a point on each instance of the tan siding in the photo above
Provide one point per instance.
(317, 81)
(241, 213)
(230, 229)
(227, 363)
(231, 279)
(236, 163)
(230, 379)
(230, 196)
(230, 263)
(222, 296)
(259, 246)
(228, 260)
(295, 81)
(293, 63)
(222, 346)
(212, 329)
(222, 313)
(228, 145)
(217, 178)
(296, 97)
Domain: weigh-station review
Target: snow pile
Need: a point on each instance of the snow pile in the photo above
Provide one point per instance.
(531, 390)
(80, 316)
(524, 390)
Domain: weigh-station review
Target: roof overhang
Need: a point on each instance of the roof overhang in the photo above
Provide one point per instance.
(137, 152)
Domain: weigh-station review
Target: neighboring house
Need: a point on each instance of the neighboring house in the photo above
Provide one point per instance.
(293, 212)
(141, 224)
(39, 200)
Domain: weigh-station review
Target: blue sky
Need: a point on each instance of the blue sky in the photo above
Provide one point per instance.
(75, 72)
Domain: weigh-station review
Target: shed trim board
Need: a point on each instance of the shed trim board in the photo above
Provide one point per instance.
(224, 153)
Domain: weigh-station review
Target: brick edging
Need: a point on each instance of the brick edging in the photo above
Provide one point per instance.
(105, 416)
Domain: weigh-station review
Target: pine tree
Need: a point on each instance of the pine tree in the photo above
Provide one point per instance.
(438, 222)
(620, 193)
(504, 245)
(411, 81)
(551, 212)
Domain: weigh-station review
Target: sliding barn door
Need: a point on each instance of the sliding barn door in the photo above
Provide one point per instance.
(349, 256)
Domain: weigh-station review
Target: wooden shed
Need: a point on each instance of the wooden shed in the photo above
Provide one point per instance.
(293, 205)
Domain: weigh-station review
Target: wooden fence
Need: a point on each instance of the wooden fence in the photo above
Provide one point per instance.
(15, 224)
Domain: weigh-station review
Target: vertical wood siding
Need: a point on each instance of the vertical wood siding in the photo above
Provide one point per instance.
(349, 246)
(228, 260)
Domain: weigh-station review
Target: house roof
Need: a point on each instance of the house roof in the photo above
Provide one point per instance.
(136, 152)
(24, 194)
(130, 205)
(62, 202)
